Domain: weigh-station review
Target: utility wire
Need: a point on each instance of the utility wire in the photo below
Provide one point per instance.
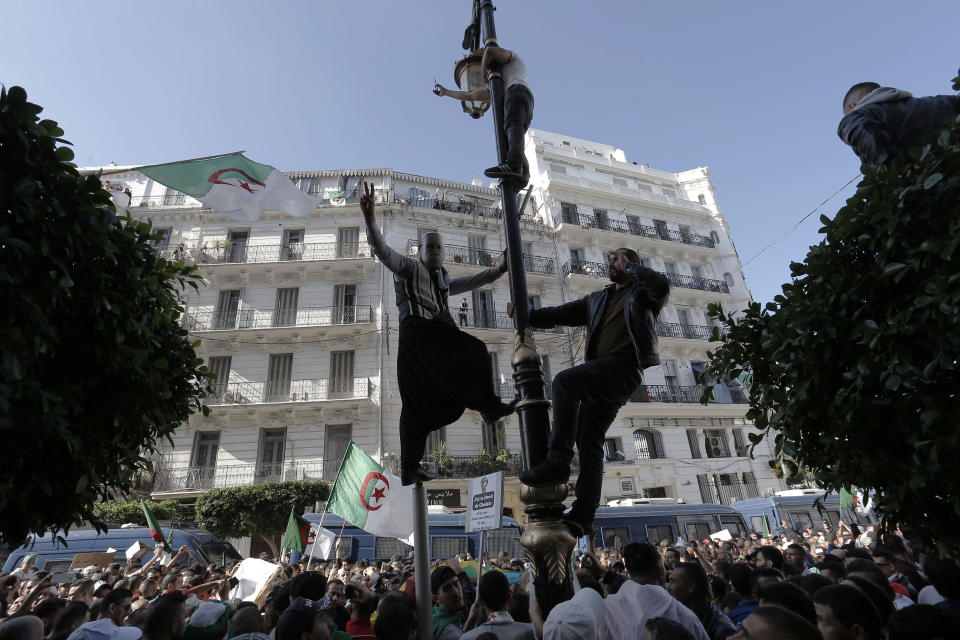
(784, 236)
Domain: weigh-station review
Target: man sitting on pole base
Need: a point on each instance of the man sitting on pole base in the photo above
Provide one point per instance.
(621, 341)
(441, 370)
(517, 110)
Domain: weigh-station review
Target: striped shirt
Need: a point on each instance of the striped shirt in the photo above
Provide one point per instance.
(421, 291)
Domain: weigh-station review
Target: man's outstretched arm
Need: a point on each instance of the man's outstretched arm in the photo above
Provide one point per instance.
(482, 95)
(397, 263)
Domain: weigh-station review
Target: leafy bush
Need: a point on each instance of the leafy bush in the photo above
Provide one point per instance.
(124, 512)
(855, 364)
(96, 368)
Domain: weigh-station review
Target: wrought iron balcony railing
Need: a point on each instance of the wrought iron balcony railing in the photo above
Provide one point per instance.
(687, 331)
(290, 391)
(485, 257)
(637, 229)
(674, 394)
(599, 270)
(476, 319)
(211, 320)
(302, 252)
(194, 477)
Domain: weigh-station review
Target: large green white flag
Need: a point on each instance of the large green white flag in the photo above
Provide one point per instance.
(368, 497)
(234, 186)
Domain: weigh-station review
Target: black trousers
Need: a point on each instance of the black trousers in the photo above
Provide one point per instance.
(518, 113)
(586, 399)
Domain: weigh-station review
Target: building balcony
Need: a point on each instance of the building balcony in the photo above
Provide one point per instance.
(636, 229)
(459, 466)
(459, 255)
(212, 320)
(189, 478)
(599, 270)
(675, 394)
(176, 200)
(684, 331)
(285, 253)
(274, 391)
(490, 321)
(588, 186)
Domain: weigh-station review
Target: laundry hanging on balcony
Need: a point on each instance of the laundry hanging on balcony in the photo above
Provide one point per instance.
(234, 186)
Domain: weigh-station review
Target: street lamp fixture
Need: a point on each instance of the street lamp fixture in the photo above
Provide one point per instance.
(468, 76)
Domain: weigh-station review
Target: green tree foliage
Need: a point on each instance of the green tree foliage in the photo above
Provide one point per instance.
(257, 510)
(96, 368)
(855, 364)
(123, 512)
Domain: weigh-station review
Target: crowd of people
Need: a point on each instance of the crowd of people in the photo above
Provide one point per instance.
(812, 584)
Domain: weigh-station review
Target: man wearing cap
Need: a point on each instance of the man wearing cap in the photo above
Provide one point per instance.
(27, 568)
(114, 609)
(453, 595)
(303, 620)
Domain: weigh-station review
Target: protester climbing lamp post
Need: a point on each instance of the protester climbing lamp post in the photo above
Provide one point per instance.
(546, 540)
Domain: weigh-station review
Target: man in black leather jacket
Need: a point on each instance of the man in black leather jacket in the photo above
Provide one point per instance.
(881, 123)
(621, 341)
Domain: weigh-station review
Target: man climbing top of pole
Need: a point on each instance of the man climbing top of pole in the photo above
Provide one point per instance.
(517, 106)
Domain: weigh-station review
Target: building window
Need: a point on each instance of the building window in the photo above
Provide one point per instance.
(341, 375)
(220, 367)
(620, 182)
(626, 487)
(228, 305)
(270, 455)
(494, 436)
(702, 199)
(647, 444)
(203, 460)
(163, 242)
(236, 249)
(478, 251)
(715, 443)
(336, 441)
(292, 248)
(612, 450)
(729, 280)
(601, 219)
(348, 242)
(344, 303)
(568, 212)
(694, 444)
(706, 490)
(662, 230)
(715, 237)
(434, 440)
(654, 492)
(739, 442)
(285, 307)
(279, 371)
(750, 484)
(556, 168)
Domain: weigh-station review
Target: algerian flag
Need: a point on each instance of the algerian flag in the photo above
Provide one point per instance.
(297, 536)
(848, 499)
(368, 497)
(234, 186)
(766, 527)
(155, 532)
(322, 542)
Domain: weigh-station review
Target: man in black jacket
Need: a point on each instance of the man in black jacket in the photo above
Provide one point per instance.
(621, 341)
(881, 123)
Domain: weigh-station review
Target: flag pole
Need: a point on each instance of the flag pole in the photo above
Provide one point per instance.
(313, 547)
(483, 535)
(421, 554)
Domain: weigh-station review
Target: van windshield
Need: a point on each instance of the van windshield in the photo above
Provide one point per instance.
(220, 552)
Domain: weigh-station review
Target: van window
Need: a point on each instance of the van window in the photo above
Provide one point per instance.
(345, 550)
(389, 547)
(57, 566)
(698, 530)
(447, 546)
(659, 532)
(220, 552)
(833, 517)
(757, 523)
(732, 525)
(508, 540)
(609, 533)
(800, 520)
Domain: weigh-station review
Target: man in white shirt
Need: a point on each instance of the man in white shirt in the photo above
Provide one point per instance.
(517, 110)
(643, 597)
(494, 594)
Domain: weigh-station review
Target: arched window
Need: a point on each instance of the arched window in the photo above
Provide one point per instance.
(647, 444)
(729, 280)
(715, 237)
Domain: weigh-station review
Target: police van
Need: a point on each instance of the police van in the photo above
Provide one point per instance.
(655, 520)
(797, 508)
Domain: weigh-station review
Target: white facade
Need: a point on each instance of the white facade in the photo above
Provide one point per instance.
(301, 323)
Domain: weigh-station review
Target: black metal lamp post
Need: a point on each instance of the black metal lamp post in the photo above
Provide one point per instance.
(546, 540)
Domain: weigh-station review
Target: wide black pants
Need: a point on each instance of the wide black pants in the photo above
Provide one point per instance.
(586, 399)
(518, 113)
(441, 371)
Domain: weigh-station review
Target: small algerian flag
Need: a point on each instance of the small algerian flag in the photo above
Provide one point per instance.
(156, 534)
(766, 527)
(368, 497)
(234, 186)
(848, 499)
(299, 533)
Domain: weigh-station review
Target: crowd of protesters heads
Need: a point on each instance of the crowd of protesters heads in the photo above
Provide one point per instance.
(839, 583)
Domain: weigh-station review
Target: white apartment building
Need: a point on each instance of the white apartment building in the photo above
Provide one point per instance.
(299, 322)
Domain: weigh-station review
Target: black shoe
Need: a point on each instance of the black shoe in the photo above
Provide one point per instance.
(544, 475)
(502, 410)
(502, 171)
(413, 476)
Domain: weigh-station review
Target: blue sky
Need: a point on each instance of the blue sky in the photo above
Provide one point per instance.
(750, 89)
